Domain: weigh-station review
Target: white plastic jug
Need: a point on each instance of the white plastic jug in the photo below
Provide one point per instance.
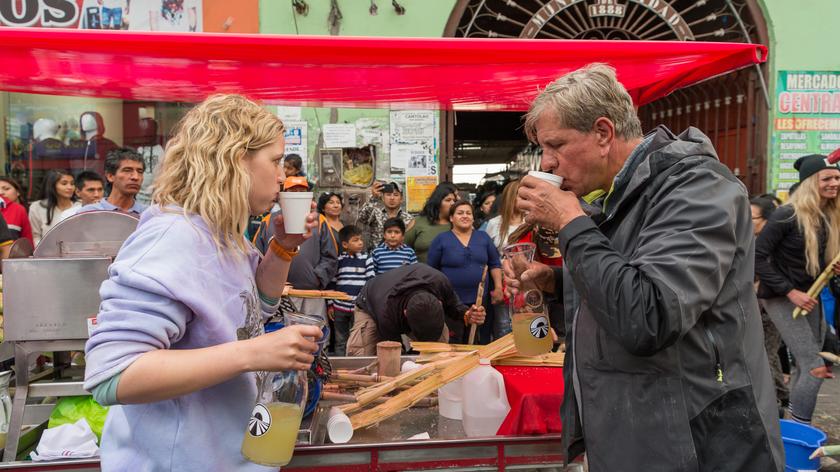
(485, 403)
(449, 400)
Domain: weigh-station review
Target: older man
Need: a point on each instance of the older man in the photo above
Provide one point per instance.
(665, 365)
(124, 171)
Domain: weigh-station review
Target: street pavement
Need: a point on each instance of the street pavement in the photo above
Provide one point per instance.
(827, 418)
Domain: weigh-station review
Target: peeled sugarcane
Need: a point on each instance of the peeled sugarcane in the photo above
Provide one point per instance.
(368, 395)
(824, 451)
(478, 299)
(818, 285)
(348, 398)
(444, 372)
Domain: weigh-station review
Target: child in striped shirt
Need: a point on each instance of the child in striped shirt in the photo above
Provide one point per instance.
(391, 252)
(355, 268)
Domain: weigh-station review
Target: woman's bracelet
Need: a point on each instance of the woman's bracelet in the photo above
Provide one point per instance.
(282, 252)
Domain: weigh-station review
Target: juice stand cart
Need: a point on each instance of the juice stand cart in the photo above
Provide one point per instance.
(426, 73)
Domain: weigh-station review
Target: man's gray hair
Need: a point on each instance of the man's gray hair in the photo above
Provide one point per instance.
(581, 97)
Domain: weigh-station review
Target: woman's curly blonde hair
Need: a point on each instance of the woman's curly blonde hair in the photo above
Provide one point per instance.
(202, 171)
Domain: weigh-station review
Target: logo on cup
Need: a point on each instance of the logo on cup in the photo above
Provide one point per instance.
(539, 327)
(260, 421)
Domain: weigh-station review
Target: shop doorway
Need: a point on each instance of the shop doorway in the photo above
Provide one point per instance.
(732, 110)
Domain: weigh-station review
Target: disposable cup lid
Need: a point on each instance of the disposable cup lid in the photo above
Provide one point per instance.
(550, 178)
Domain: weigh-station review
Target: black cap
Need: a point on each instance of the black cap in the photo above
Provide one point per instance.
(811, 164)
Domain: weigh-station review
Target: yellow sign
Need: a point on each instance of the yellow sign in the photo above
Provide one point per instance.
(418, 190)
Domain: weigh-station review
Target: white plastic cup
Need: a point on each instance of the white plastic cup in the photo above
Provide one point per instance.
(295, 207)
(555, 180)
(408, 366)
(339, 428)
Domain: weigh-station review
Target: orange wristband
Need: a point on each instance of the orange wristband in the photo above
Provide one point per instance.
(281, 252)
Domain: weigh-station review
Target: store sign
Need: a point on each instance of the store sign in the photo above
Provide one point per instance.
(143, 15)
(807, 121)
(47, 13)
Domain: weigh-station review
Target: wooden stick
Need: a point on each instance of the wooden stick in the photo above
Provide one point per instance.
(818, 285)
(479, 296)
(366, 369)
(375, 378)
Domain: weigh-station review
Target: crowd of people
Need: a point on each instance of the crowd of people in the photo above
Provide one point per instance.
(668, 286)
(66, 195)
(348, 253)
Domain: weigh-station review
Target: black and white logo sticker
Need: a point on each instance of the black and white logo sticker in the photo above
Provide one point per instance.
(260, 421)
(539, 327)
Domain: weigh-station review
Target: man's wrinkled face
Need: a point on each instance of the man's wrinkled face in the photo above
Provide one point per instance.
(128, 178)
(569, 153)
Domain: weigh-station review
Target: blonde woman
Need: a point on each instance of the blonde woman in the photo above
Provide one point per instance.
(180, 327)
(792, 249)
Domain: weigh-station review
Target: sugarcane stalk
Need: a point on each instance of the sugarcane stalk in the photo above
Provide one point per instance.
(343, 397)
(375, 378)
(824, 451)
(478, 299)
(818, 284)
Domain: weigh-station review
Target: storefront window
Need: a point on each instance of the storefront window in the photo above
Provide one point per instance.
(44, 132)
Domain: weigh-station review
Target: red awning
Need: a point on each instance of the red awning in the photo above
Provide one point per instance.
(370, 72)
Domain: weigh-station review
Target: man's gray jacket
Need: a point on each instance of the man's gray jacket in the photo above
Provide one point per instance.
(665, 366)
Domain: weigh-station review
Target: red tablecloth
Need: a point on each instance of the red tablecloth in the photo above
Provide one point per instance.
(535, 394)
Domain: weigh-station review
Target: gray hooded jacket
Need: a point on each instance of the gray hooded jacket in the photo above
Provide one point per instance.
(665, 366)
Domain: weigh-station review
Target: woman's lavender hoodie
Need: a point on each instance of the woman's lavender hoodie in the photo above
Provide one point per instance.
(170, 288)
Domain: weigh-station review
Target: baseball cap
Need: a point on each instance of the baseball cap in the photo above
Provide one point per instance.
(296, 181)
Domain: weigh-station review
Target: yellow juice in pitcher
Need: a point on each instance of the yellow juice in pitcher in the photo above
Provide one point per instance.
(531, 333)
(272, 433)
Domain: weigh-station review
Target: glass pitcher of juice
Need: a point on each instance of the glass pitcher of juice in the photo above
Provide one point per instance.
(281, 398)
(529, 316)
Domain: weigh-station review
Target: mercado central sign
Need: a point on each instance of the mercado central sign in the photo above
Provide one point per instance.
(807, 121)
(599, 8)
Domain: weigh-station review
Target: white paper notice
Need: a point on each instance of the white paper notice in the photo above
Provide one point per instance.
(412, 126)
(339, 135)
(289, 114)
(420, 160)
(401, 154)
(296, 143)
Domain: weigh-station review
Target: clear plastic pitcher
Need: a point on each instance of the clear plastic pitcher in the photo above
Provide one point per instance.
(529, 317)
(275, 420)
(485, 403)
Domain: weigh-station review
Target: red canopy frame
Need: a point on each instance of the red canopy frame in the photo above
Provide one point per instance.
(362, 72)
